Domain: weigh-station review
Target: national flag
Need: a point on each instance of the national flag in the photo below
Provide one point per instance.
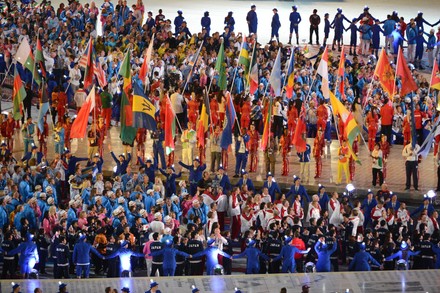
(143, 72)
(275, 76)
(341, 73)
(351, 129)
(99, 73)
(230, 116)
(323, 72)
(25, 57)
(39, 57)
(385, 73)
(144, 110)
(253, 73)
(426, 146)
(220, 68)
(298, 139)
(18, 95)
(79, 126)
(203, 125)
(128, 133)
(306, 51)
(82, 63)
(435, 76)
(267, 126)
(170, 127)
(44, 106)
(406, 78)
(244, 59)
(89, 72)
(290, 76)
(192, 63)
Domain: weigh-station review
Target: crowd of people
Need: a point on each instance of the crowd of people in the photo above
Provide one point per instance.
(59, 208)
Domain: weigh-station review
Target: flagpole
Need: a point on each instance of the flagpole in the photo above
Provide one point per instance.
(288, 68)
(250, 66)
(192, 68)
(7, 71)
(395, 74)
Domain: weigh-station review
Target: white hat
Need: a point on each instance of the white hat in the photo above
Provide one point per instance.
(98, 197)
(110, 193)
(78, 202)
(42, 194)
(157, 215)
(50, 200)
(174, 197)
(131, 204)
(121, 199)
(37, 187)
(62, 213)
(7, 198)
(167, 218)
(159, 201)
(184, 193)
(143, 212)
(115, 212)
(149, 191)
(49, 188)
(167, 231)
(71, 202)
(77, 197)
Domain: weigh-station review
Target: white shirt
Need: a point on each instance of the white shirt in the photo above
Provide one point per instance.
(176, 101)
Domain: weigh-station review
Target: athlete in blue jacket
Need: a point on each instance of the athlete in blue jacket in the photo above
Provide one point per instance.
(211, 252)
(169, 258)
(81, 256)
(28, 255)
(125, 255)
(324, 252)
(252, 253)
(288, 255)
(361, 261)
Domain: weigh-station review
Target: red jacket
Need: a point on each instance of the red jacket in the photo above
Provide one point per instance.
(387, 113)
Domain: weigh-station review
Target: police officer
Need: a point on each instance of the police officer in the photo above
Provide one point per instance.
(62, 257)
(195, 264)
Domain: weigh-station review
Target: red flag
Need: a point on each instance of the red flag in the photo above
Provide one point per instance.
(267, 126)
(170, 127)
(435, 76)
(341, 73)
(406, 78)
(79, 126)
(298, 140)
(88, 74)
(385, 73)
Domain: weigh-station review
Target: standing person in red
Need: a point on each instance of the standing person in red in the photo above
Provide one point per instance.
(61, 105)
(234, 211)
(322, 114)
(254, 138)
(67, 129)
(371, 122)
(407, 128)
(214, 106)
(285, 149)
(106, 101)
(245, 119)
(202, 150)
(42, 136)
(385, 147)
(386, 119)
(292, 118)
(141, 136)
(9, 134)
(102, 131)
(351, 161)
(193, 110)
(418, 120)
(318, 152)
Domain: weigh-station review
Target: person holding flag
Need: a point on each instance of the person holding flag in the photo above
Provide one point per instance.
(241, 152)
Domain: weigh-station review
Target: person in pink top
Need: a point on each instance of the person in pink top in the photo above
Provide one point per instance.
(147, 251)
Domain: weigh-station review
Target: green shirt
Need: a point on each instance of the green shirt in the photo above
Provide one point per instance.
(106, 100)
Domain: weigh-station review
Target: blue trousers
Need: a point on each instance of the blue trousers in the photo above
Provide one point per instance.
(288, 266)
(169, 271)
(241, 162)
(159, 155)
(82, 268)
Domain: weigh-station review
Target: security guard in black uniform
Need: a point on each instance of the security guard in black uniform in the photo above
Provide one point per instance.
(9, 262)
(427, 254)
(62, 253)
(195, 264)
(112, 264)
(157, 262)
(273, 249)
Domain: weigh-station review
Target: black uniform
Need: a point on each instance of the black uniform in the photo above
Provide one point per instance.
(9, 262)
(195, 264)
(427, 255)
(273, 249)
(62, 254)
(157, 263)
(227, 263)
(43, 252)
(112, 264)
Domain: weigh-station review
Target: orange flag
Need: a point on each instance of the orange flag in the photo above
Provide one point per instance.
(341, 73)
(385, 73)
(406, 78)
(435, 76)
